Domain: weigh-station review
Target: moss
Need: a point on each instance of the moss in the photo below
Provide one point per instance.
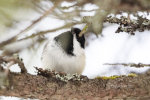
(115, 76)
(105, 77)
(132, 75)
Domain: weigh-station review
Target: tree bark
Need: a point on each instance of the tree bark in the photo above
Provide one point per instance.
(46, 86)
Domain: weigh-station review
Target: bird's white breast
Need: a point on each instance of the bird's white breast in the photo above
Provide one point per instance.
(54, 58)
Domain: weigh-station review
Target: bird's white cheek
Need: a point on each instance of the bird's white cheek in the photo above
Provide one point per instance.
(78, 50)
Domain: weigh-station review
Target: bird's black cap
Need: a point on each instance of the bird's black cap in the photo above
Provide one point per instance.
(81, 39)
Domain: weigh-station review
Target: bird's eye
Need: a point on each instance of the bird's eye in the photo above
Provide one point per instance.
(75, 31)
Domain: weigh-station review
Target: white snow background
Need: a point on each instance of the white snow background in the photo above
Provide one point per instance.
(111, 48)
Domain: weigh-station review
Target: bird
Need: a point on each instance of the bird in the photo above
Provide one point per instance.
(65, 53)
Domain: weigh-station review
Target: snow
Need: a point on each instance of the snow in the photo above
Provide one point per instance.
(116, 48)
(111, 48)
(13, 98)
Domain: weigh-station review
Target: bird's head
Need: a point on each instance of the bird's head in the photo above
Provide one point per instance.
(80, 39)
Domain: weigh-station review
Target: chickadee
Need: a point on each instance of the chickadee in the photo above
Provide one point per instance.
(65, 53)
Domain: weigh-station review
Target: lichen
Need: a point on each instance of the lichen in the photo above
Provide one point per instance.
(61, 76)
(68, 77)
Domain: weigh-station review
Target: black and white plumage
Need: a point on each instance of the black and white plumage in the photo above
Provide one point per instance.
(65, 53)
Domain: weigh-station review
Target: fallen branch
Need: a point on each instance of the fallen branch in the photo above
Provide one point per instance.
(43, 87)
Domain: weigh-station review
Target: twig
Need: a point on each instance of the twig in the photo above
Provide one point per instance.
(129, 64)
(38, 20)
(12, 61)
(8, 66)
(48, 31)
(130, 26)
(12, 39)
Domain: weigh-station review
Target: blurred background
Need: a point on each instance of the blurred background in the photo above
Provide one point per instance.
(117, 31)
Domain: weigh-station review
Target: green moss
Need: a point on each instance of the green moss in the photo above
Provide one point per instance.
(132, 75)
(105, 77)
(115, 76)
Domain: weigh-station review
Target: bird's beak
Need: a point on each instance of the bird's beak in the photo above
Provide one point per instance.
(81, 33)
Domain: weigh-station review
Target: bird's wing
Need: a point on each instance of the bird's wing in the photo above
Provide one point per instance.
(65, 40)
